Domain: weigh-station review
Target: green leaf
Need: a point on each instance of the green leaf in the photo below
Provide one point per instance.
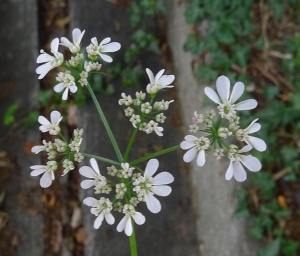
(44, 97)
(193, 13)
(206, 74)
(264, 181)
(191, 44)
(9, 114)
(271, 249)
(289, 153)
(270, 92)
(31, 118)
(255, 232)
(289, 248)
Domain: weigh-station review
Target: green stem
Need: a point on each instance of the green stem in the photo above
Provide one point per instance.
(130, 143)
(103, 159)
(159, 153)
(132, 240)
(106, 125)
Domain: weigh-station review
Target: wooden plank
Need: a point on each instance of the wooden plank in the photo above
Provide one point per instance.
(19, 84)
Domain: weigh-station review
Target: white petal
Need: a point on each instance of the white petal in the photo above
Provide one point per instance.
(43, 70)
(190, 138)
(39, 166)
(65, 42)
(46, 179)
(253, 128)
(65, 94)
(77, 35)
(122, 224)
(112, 47)
(223, 87)
(150, 75)
(246, 105)
(106, 57)
(201, 158)
(190, 155)
(98, 221)
(158, 75)
(105, 41)
(55, 117)
(59, 87)
(163, 178)
(54, 44)
(87, 171)
(139, 218)
(94, 165)
(161, 190)
(44, 121)
(239, 172)
(110, 219)
(246, 148)
(251, 162)
(85, 184)
(37, 172)
(237, 91)
(229, 172)
(257, 143)
(73, 88)
(151, 167)
(94, 41)
(166, 80)
(44, 57)
(210, 93)
(187, 144)
(90, 201)
(37, 149)
(128, 227)
(152, 203)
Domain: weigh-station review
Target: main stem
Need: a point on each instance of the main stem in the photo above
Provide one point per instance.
(106, 125)
(132, 240)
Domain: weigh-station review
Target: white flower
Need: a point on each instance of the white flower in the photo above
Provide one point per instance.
(153, 127)
(40, 148)
(48, 173)
(227, 107)
(100, 208)
(67, 82)
(236, 168)
(158, 82)
(243, 135)
(149, 186)
(93, 173)
(196, 147)
(49, 61)
(126, 222)
(76, 36)
(53, 126)
(95, 49)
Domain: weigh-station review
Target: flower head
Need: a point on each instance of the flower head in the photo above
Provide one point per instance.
(196, 147)
(125, 223)
(49, 61)
(100, 208)
(76, 36)
(237, 160)
(243, 135)
(48, 173)
(95, 49)
(53, 126)
(158, 82)
(147, 186)
(93, 173)
(226, 100)
(67, 82)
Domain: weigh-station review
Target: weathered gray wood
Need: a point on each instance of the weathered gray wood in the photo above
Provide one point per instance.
(172, 231)
(19, 84)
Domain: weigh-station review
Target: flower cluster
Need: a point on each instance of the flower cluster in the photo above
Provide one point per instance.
(147, 115)
(214, 131)
(77, 68)
(126, 193)
(66, 152)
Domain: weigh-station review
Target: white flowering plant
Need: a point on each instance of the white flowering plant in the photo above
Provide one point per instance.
(124, 185)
